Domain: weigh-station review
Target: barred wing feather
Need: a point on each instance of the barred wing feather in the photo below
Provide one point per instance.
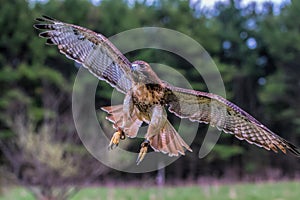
(92, 50)
(226, 116)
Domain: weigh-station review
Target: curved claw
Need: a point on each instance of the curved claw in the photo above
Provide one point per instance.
(114, 142)
(143, 151)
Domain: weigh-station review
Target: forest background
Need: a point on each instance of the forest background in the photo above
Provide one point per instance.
(255, 47)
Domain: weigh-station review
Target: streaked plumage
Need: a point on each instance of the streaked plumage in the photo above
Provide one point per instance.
(147, 96)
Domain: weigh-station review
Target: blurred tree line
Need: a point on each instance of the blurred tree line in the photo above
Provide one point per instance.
(256, 48)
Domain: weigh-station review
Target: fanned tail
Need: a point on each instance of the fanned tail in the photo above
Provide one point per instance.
(169, 141)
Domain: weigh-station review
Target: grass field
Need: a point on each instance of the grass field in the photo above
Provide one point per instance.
(266, 191)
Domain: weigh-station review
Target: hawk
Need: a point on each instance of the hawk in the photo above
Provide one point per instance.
(147, 96)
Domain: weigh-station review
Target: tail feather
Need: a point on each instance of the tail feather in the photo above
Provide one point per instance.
(169, 141)
(292, 148)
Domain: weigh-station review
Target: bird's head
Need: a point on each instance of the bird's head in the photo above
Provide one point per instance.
(142, 72)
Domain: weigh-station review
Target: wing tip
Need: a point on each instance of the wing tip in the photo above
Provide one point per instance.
(45, 18)
(293, 149)
(45, 34)
(49, 41)
(47, 22)
(43, 26)
(48, 18)
(281, 145)
(285, 146)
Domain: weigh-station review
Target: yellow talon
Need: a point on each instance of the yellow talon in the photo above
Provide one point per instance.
(143, 151)
(114, 142)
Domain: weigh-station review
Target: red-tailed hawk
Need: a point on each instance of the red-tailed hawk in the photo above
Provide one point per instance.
(147, 97)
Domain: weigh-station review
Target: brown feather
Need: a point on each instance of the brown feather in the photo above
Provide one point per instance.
(169, 141)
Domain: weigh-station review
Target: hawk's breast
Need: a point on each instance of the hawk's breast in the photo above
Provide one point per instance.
(146, 96)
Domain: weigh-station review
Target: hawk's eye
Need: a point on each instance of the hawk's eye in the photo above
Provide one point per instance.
(135, 67)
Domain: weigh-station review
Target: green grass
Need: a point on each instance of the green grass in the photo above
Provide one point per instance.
(266, 191)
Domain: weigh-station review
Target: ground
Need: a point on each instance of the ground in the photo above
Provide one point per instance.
(245, 191)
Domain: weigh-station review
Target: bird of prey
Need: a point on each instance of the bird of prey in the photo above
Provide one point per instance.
(147, 96)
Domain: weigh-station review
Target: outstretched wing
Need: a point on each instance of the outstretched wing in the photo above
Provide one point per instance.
(217, 111)
(94, 51)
